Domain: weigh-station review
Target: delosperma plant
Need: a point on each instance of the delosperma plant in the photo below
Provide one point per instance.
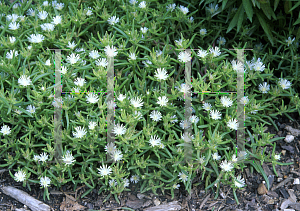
(149, 149)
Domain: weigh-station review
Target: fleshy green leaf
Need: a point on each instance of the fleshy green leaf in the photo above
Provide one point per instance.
(248, 8)
(265, 27)
(234, 20)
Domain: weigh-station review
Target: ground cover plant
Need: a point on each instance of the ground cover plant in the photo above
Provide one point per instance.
(146, 41)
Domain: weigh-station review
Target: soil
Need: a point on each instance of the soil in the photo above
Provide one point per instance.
(250, 198)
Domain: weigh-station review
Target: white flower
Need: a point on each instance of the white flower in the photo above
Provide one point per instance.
(119, 129)
(194, 119)
(216, 156)
(73, 58)
(162, 101)
(31, 12)
(63, 70)
(49, 27)
(103, 171)
(155, 141)
(68, 158)
(5, 130)
(285, 84)
(191, 19)
(174, 117)
(221, 41)
(29, 47)
(92, 125)
(110, 51)
(45, 181)
(244, 100)
(132, 56)
(184, 56)
(20, 176)
(161, 74)
(226, 102)
(258, 65)
(202, 53)
(126, 182)
(43, 157)
(179, 42)
(110, 148)
(135, 178)
(290, 41)
(36, 158)
(155, 116)
(112, 183)
(36, 38)
(239, 182)
(183, 9)
(13, 26)
(215, 114)
(117, 155)
(133, 2)
(79, 50)
(47, 63)
(146, 63)
(30, 109)
(10, 55)
(113, 20)
(121, 97)
(226, 166)
(42, 15)
(59, 6)
(158, 52)
(206, 106)
(183, 176)
(188, 137)
(242, 154)
(92, 98)
(88, 11)
(264, 88)
(94, 54)
(144, 30)
(233, 124)
(175, 186)
(234, 158)
(237, 66)
(184, 88)
(212, 9)
(203, 32)
(22, 17)
(201, 160)
(171, 7)
(80, 132)
(142, 5)
(45, 4)
(12, 18)
(101, 62)
(185, 124)
(215, 52)
(79, 81)
(56, 20)
(277, 157)
(137, 102)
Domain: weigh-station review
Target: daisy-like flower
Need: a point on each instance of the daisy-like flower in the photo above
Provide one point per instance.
(212, 9)
(24, 80)
(171, 7)
(73, 58)
(158, 52)
(132, 56)
(290, 41)
(119, 129)
(191, 19)
(110, 148)
(234, 158)
(133, 2)
(110, 51)
(185, 124)
(88, 11)
(135, 178)
(201, 160)
(183, 9)
(104, 170)
(79, 81)
(13, 26)
(221, 41)
(146, 63)
(101, 62)
(36, 158)
(137, 115)
(155, 116)
(182, 176)
(184, 56)
(31, 109)
(59, 6)
(144, 30)
(285, 84)
(233, 124)
(43, 157)
(237, 66)
(215, 114)
(206, 106)
(94, 54)
(121, 97)
(259, 46)
(226, 102)
(277, 157)
(244, 100)
(203, 32)
(142, 5)
(188, 137)
(92, 125)
(47, 63)
(31, 12)
(239, 181)
(194, 119)
(80, 132)
(202, 53)
(36, 38)
(12, 18)
(29, 47)
(92, 98)
(5, 130)
(126, 182)
(79, 50)
(117, 155)
(216, 156)
(56, 20)
(20, 176)
(175, 186)
(162, 101)
(49, 27)
(155, 141)
(258, 66)
(45, 181)
(215, 52)
(242, 154)
(68, 158)
(264, 88)
(45, 4)
(174, 117)
(10, 55)
(113, 20)
(226, 166)
(18, 111)
(42, 15)
(137, 102)
(179, 42)
(161, 74)
(112, 183)
(184, 88)
(63, 70)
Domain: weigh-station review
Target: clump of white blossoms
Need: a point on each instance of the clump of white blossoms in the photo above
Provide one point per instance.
(155, 116)
(194, 119)
(203, 32)
(94, 54)
(104, 170)
(56, 20)
(36, 38)
(206, 106)
(68, 158)
(13, 26)
(73, 58)
(171, 7)
(42, 15)
(202, 53)
(80, 132)
(285, 84)
(5, 130)
(142, 5)
(182, 176)
(277, 157)
(92, 125)
(154, 141)
(212, 9)
(216, 156)
(221, 41)
(237, 66)
(144, 30)
(239, 181)
(162, 101)
(31, 109)
(183, 9)
(119, 129)
(43, 157)
(79, 81)
(11, 54)
(161, 74)
(184, 56)
(132, 56)
(226, 166)
(121, 97)
(290, 41)
(215, 114)
(92, 98)
(45, 181)
(110, 51)
(135, 178)
(244, 100)
(137, 102)
(215, 52)
(233, 124)
(185, 124)
(113, 20)
(20, 176)
(101, 62)
(117, 155)
(264, 88)
(226, 102)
